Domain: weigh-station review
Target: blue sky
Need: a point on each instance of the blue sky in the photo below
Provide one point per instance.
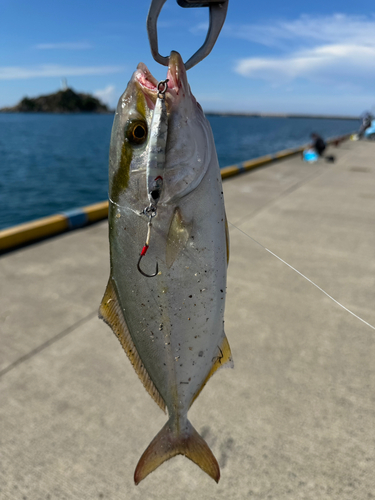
(271, 56)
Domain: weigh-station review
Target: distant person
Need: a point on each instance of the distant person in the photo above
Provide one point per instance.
(317, 148)
(366, 123)
(318, 144)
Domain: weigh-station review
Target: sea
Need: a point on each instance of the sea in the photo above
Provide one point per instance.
(51, 163)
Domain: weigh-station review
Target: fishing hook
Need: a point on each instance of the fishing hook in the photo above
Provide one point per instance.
(152, 211)
(144, 250)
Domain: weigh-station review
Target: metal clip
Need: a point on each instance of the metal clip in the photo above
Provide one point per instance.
(218, 12)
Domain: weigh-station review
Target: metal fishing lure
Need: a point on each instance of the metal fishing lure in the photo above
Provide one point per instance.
(155, 164)
(158, 141)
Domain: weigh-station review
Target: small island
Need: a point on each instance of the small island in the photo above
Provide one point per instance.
(63, 101)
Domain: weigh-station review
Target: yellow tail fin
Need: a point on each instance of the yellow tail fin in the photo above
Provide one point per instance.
(169, 443)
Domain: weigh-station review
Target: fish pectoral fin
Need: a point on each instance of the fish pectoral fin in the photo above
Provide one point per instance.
(168, 443)
(111, 313)
(222, 360)
(178, 236)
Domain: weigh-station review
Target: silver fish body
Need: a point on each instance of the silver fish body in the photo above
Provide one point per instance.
(171, 325)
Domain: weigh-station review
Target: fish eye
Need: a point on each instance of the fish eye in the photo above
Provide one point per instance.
(139, 132)
(136, 132)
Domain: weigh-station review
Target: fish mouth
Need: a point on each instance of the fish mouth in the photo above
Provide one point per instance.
(178, 86)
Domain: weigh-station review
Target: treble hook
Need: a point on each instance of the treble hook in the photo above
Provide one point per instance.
(152, 211)
(144, 250)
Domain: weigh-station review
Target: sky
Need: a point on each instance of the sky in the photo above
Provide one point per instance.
(271, 56)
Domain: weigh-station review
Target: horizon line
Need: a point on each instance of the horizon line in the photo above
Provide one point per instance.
(257, 114)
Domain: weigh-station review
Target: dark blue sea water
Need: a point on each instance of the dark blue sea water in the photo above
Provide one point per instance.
(51, 163)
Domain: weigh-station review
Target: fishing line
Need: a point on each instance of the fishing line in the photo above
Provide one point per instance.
(303, 276)
(124, 208)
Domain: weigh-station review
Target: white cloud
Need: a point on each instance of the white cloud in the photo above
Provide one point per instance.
(107, 95)
(64, 46)
(54, 70)
(324, 63)
(338, 28)
(339, 49)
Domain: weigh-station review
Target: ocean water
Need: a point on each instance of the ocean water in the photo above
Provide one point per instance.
(51, 163)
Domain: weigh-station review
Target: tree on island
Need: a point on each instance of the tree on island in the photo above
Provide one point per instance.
(63, 101)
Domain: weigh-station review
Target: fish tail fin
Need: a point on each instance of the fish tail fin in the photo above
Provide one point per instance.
(170, 442)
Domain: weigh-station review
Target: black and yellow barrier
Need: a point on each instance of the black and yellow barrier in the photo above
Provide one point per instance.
(256, 162)
(263, 160)
(29, 232)
(49, 226)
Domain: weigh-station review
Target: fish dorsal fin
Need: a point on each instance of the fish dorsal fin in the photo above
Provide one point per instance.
(111, 313)
(178, 236)
(224, 357)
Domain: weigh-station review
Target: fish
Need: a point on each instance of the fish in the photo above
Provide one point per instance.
(169, 322)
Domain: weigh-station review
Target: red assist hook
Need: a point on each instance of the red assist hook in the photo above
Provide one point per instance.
(143, 253)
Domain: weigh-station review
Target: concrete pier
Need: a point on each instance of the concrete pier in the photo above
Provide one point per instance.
(295, 419)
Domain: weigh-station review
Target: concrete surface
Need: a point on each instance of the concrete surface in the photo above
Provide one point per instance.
(295, 419)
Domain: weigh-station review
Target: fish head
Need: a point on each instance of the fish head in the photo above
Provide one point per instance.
(189, 147)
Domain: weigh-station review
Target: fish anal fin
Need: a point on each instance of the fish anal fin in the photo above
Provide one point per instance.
(178, 236)
(223, 358)
(110, 312)
(168, 443)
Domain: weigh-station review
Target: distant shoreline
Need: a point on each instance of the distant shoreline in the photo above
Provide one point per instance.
(207, 113)
(6, 111)
(280, 115)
